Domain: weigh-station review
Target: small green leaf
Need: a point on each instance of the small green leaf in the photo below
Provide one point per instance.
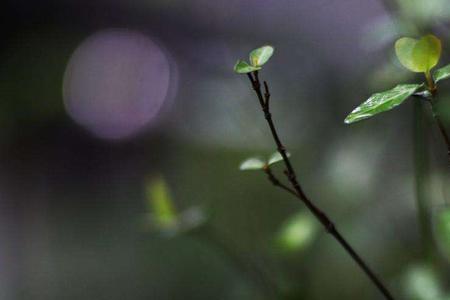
(418, 55)
(243, 67)
(381, 102)
(260, 56)
(192, 218)
(297, 232)
(443, 231)
(160, 203)
(442, 73)
(276, 157)
(421, 282)
(253, 163)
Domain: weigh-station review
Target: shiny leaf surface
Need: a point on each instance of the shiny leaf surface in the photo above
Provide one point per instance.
(442, 73)
(381, 102)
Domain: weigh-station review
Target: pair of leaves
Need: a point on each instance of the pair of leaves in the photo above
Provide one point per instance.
(417, 56)
(162, 213)
(256, 163)
(258, 58)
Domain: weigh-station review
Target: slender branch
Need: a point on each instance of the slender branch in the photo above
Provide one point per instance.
(430, 97)
(298, 191)
(421, 168)
(441, 127)
(276, 182)
(246, 265)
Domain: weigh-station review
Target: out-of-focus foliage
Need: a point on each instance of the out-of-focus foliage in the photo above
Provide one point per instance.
(297, 233)
(421, 12)
(70, 201)
(162, 213)
(421, 282)
(442, 230)
(160, 204)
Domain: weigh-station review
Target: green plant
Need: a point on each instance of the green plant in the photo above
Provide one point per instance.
(163, 218)
(258, 58)
(419, 56)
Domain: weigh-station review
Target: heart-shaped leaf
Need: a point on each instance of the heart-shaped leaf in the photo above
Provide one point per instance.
(442, 73)
(381, 102)
(260, 56)
(418, 55)
(252, 163)
(243, 67)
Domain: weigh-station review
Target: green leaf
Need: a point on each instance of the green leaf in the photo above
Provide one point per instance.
(381, 102)
(160, 203)
(252, 163)
(260, 56)
(276, 157)
(442, 73)
(418, 55)
(421, 282)
(243, 67)
(297, 232)
(443, 230)
(192, 218)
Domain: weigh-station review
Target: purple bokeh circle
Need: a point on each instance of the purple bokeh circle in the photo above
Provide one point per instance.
(116, 83)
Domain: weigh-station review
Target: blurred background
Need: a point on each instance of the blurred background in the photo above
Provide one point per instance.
(123, 127)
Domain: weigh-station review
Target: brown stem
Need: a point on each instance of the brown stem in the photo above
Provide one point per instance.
(298, 191)
(432, 88)
(244, 264)
(441, 127)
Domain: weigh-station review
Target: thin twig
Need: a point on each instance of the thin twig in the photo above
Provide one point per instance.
(276, 182)
(298, 191)
(421, 168)
(245, 264)
(441, 127)
(430, 97)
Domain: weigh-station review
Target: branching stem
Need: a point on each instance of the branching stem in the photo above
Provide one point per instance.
(432, 88)
(441, 127)
(297, 190)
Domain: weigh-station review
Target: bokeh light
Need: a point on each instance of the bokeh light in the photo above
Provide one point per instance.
(116, 83)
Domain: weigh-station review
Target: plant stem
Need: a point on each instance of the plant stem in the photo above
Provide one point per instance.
(421, 165)
(245, 265)
(298, 191)
(432, 88)
(441, 126)
(430, 82)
